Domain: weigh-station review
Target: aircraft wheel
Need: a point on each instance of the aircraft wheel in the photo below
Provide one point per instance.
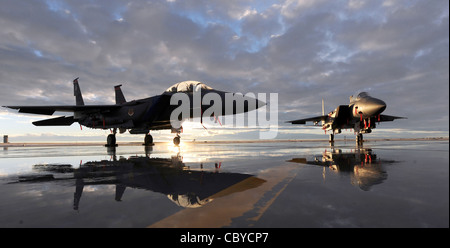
(176, 140)
(111, 140)
(148, 140)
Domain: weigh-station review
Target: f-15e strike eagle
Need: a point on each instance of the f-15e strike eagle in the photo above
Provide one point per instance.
(361, 114)
(141, 116)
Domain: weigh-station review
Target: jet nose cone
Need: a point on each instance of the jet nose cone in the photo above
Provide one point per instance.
(382, 108)
(378, 106)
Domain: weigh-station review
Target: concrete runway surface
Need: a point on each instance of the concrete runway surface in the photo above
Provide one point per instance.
(241, 184)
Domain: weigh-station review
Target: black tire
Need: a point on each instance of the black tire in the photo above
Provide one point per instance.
(148, 140)
(111, 140)
(176, 140)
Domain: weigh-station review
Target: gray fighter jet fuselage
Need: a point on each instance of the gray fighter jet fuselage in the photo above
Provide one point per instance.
(141, 116)
(361, 114)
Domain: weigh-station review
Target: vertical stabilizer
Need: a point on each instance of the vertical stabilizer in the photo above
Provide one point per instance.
(77, 93)
(323, 112)
(120, 98)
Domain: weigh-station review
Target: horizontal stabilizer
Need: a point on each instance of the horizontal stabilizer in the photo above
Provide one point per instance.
(36, 110)
(60, 121)
(49, 110)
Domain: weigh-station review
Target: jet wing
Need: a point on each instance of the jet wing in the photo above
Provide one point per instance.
(313, 119)
(59, 121)
(389, 118)
(49, 110)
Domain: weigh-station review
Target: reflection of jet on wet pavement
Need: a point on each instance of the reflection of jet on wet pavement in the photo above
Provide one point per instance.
(363, 166)
(184, 186)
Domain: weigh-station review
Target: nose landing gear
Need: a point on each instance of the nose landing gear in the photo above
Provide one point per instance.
(176, 140)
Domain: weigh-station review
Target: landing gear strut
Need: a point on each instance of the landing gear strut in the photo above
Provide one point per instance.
(331, 139)
(359, 139)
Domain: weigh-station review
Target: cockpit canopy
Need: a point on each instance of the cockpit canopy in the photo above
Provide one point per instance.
(362, 95)
(188, 86)
(358, 97)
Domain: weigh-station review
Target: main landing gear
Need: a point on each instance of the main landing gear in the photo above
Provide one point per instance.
(148, 140)
(111, 139)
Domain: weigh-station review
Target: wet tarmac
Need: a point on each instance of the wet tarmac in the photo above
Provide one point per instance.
(286, 184)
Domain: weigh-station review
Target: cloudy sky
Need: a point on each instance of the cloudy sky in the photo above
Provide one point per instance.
(304, 50)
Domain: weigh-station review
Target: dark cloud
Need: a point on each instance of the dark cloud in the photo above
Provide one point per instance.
(304, 50)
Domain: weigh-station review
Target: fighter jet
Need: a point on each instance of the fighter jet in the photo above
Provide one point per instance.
(141, 116)
(361, 114)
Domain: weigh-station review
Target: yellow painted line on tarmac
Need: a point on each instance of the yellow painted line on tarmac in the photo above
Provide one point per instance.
(234, 201)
